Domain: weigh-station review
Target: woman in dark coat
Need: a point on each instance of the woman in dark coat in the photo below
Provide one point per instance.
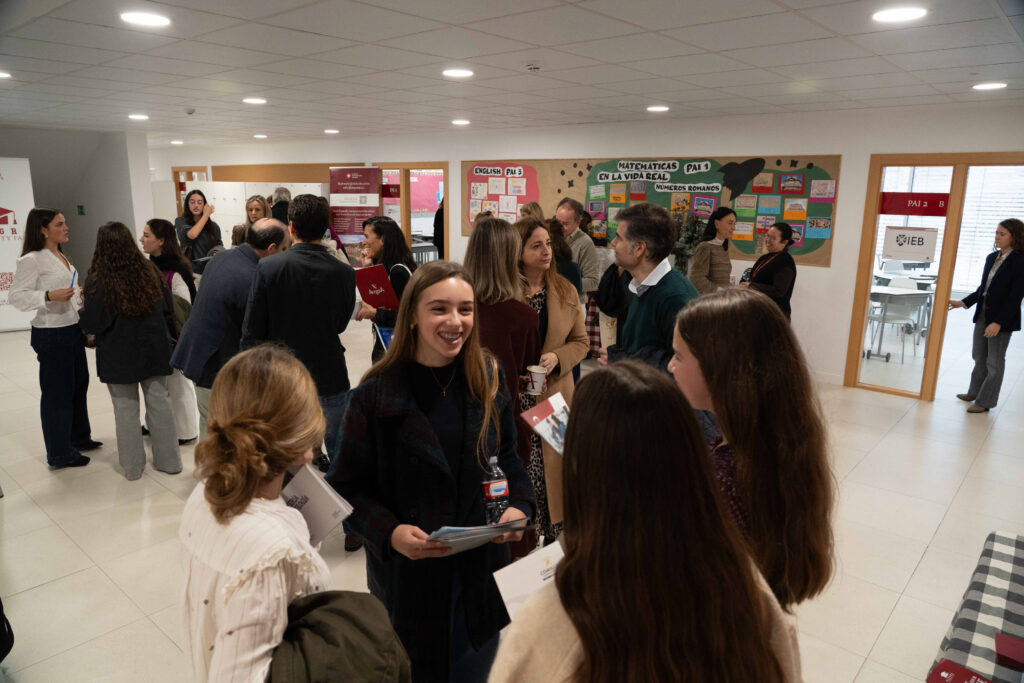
(419, 432)
(384, 245)
(774, 273)
(997, 316)
(127, 308)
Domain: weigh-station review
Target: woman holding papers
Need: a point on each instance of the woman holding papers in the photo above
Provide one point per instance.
(384, 244)
(656, 583)
(563, 345)
(419, 431)
(47, 283)
(737, 357)
(246, 553)
(509, 328)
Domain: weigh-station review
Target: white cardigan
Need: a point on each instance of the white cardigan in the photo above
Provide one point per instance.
(239, 579)
(543, 646)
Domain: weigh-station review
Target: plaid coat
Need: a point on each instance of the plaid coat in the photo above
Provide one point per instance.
(392, 469)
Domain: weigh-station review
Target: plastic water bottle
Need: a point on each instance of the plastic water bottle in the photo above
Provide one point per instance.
(495, 493)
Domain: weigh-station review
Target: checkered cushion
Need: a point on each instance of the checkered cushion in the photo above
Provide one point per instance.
(994, 601)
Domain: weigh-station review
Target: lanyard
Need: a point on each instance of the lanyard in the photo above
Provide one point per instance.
(761, 267)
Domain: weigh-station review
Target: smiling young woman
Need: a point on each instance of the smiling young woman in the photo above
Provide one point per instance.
(418, 434)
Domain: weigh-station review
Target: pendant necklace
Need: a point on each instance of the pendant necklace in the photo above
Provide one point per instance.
(444, 388)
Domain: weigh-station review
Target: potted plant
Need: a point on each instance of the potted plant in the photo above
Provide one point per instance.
(691, 229)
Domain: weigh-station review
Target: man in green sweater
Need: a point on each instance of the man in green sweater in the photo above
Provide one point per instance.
(642, 244)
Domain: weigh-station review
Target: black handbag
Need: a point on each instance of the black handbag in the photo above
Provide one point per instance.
(6, 634)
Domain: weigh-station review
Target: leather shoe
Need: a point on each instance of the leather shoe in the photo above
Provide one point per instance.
(182, 442)
(976, 409)
(352, 543)
(80, 461)
(965, 397)
(89, 445)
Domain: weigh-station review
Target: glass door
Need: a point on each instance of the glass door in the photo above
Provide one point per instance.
(993, 194)
(909, 227)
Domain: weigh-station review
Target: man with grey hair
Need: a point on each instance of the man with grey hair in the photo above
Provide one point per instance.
(213, 332)
(279, 202)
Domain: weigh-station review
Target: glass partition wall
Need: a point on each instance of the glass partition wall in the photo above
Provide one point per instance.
(929, 222)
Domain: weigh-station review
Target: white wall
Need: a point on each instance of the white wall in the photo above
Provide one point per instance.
(104, 172)
(823, 298)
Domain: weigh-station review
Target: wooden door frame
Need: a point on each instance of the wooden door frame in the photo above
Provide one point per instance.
(175, 170)
(406, 209)
(960, 161)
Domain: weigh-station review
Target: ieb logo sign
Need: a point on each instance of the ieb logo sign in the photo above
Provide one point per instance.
(901, 240)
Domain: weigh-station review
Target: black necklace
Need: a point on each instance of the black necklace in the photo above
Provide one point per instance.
(444, 388)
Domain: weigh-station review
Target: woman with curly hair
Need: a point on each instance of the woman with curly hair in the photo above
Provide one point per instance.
(127, 308)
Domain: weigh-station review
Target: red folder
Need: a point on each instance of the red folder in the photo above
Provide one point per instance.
(951, 672)
(375, 288)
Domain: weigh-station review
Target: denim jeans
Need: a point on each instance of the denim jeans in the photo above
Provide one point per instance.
(989, 355)
(64, 383)
(334, 410)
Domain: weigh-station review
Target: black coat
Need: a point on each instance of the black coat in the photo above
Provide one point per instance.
(774, 274)
(213, 331)
(304, 298)
(1002, 303)
(393, 471)
(128, 350)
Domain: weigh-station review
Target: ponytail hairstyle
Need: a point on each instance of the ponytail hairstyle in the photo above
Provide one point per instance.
(478, 365)
(264, 416)
(764, 400)
(656, 577)
(164, 230)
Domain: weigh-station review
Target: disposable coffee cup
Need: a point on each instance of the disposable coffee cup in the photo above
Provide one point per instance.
(537, 376)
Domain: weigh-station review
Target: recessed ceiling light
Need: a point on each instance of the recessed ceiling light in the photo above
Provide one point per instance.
(898, 14)
(4, 74)
(331, 131)
(177, 142)
(990, 86)
(145, 19)
(460, 122)
(254, 100)
(260, 137)
(657, 107)
(138, 117)
(457, 73)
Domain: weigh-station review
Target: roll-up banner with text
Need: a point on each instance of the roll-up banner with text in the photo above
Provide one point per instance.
(15, 202)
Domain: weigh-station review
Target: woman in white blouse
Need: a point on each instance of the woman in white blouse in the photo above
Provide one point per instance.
(246, 553)
(47, 283)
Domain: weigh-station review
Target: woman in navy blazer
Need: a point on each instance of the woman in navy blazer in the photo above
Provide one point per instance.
(998, 315)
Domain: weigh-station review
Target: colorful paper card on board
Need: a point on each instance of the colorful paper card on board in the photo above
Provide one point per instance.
(507, 204)
(745, 205)
(613, 214)
(510, 217)
(798, 234)
(596, 210)
(791, 183)
(617, 193)
(704, 205)
(638, 191)
(474, 208)
(762, 223)
(743, 232)
(823, 191)
(819, 233)
(770, 203)
(478, 191)
(491, 206)
(517, 186)
(597, 191)
(763, 183)
(680, 202)
(796, 209)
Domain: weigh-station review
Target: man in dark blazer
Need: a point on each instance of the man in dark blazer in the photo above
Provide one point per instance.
(213, 331)
(303, 298)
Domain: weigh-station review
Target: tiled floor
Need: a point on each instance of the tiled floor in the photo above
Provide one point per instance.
(89, 570)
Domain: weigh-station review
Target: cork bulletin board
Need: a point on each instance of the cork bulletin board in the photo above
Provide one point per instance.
(799, 190)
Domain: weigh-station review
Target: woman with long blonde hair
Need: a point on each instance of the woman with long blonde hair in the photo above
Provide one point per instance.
(736, 356)
(255, 208)
(420, 433)
(246, 553)
(563, 345)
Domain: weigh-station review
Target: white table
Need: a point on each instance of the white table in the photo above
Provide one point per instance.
(886, 295)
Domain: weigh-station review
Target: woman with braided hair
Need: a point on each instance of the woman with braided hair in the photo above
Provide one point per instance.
(247, 554)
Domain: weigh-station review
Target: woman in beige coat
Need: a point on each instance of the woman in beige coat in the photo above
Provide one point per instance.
(564, 345)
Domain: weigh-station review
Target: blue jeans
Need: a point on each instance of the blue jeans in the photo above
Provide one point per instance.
(334, 410)
(63, 381)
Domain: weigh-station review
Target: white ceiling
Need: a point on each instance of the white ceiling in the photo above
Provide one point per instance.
(373, 67)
